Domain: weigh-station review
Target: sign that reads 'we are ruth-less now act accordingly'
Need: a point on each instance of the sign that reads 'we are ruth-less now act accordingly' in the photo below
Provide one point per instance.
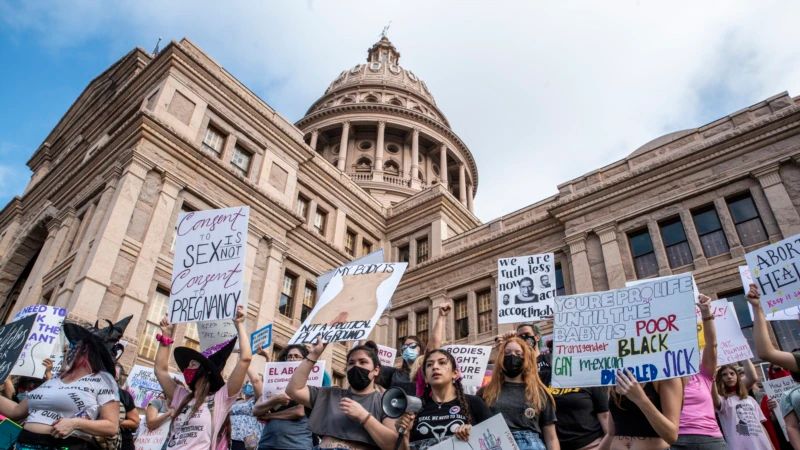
(775, 269)
(526, 288)
(207, 272)
(649, 329)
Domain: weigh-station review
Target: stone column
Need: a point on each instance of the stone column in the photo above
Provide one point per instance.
(438, 236)
(779, 201)
(737, 251)
(32, 289)
(472, 314)
(379, 146)
(580, 263)
(443, 164)
(8, 238)
(343, 146)
(314, 137)
(695, 245)
(415, 183)
(339, 228)
(469, 197)
(275, 254)
(311, 213)
(462, 184)
(299, 293)
(658, 247)
(611, 257)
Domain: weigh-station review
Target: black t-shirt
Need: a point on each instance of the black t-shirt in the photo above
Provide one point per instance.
(436, 423)
(545, 369)
(126, 404)
(393, 377)
(519, 416)
(577, 410)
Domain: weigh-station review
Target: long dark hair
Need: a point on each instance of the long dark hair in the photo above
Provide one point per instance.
(84, 356)
(285, 352)
(427, 394)
(371, 349)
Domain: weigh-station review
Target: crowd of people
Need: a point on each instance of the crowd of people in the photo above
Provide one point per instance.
(717, 408)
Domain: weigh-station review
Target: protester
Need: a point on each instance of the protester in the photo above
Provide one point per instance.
(768, 407)
(446, 410)
(18, 389)
(246, 431)
(739, 414)
(202, 411)
(582, 418)
(345, 418)
(157, 413)
(517, 393)
(56, 412)
(128, 415)
(531, 334)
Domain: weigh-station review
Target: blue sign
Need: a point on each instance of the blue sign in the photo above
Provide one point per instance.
(262, 337)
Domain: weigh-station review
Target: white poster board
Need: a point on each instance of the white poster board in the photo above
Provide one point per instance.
(776, 271)
(491, 434)
(784, 314)
(700, 336)
(386, 355)
(472, 361)
(650, 328)
(526, 288)
(152, 439)
(774, 390)
(278, 374)
(42, 340)
(57, 355)
(372, 258)
(732, 346)
(216, 332)
(352, 304)
(143, 385)
(207, 272)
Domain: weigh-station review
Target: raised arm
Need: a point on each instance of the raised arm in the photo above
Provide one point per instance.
(715, 395)
(255, 380)
(297, 389)
(709, 359)
(161, 365)
(236, 378)
(750, 376)
(437, 337)
(764, 348)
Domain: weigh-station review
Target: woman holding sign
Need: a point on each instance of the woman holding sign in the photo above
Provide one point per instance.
(739, 414)
(201, 420)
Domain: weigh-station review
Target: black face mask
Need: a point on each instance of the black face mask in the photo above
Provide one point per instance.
(512, 365)
(358, 377)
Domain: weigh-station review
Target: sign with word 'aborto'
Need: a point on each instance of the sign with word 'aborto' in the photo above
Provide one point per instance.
(208, 269)
(278, 374)
(472, 361)
(649, 329)
(42, 341)
(526, 288)
(775, 269)
(386, 355)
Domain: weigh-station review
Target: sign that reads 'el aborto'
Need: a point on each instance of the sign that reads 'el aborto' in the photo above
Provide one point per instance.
(207, 273)
(526, 288)
(775, 269)
(351, 305)
(649, 329)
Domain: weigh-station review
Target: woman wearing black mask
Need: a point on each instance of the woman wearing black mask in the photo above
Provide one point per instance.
(346, 419)
(517, 392)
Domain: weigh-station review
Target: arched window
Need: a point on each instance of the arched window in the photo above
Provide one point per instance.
(364, 164)
(395, 102)
(347, 100)
(391, 168)
(371, 99)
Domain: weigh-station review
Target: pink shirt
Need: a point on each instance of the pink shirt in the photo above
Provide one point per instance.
(697, 416)
(195, 431)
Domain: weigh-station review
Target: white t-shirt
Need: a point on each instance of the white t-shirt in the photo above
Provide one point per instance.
(53, 399)
(741, 422)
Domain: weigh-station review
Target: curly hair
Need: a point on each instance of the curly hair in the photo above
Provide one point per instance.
(427, 394)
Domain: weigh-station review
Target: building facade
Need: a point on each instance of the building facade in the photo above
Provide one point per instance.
(373, 165)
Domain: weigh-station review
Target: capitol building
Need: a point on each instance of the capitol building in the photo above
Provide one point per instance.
(374, 164)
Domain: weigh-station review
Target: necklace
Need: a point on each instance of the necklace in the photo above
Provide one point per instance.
(440, 404)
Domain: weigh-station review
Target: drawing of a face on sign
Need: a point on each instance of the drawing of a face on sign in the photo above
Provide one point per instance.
(357, 301)
(544, 280)
(526, 294)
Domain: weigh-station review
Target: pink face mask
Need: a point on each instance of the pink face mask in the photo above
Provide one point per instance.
(189, 374)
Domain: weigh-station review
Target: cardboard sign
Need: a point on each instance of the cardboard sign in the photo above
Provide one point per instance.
(776, 271)
(701, 338)
(9, 431)
(650, 328)
(42, 340)
(216, 332)
(774, 389)
(472, 361)
(143, 385)
(526, 288)
(491, 434)
(352, 304)
(372, 258)
(152, 439)
(207, 272)
(278, 374)
(262, 337)
(732, 346)
(785, 314)
(386, 355)
(13, 338)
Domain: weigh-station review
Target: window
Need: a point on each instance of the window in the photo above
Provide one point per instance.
(185, 208)
(560, 289)
(678, 252)
(309, 300)
(745, 217)
(287, 295)
(240, 162)
(158, 307)
(403, 254)
(190, 337)
(422, 326)
(350, 243)
(462, 322)
(644, 257)
(484, 311)
(212, 141)
(366, 247)
(302, 206)
(402, 333)
(710, 231)
(319, 221)
(338, 380)
(422, 250)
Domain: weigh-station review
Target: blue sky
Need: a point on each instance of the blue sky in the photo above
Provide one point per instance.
(559, 87)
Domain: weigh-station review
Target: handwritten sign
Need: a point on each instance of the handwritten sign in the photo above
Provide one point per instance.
(649, 328)
(148, 439)
(491, 434)
(352, 304)
(776, 271)
(775, 389)
(41, 341)
(701, 338)
(143, 385)
(262, 337)
(784, 314)
(207, 272)
(59, 350)
(278, 374)
(216, 332)
(13, 338)
(386, 355)
(472, 361)
(372, 258)
(732, 346)
(526, 288)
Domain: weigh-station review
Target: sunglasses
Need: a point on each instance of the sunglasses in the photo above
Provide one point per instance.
(412, 346)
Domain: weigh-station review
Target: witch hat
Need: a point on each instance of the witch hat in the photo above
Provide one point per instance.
(104, 340)
(212, 359)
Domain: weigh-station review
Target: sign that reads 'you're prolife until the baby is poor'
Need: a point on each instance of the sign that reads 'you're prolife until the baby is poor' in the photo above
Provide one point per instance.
(649, 329)
(775, 269)
(526, 288)
(208, 269)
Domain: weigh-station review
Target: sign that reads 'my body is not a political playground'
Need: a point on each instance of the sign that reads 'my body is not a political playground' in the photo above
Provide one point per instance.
(526, 288)
(775, 269)
(649, 329)
(207, 273)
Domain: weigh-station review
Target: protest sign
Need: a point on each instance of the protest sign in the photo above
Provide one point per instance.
(732, 346)
(216, 332)
(372, 258)
(776, 271)
(701, 338)
(278, 374)
(526, 287)
(9, 431)
(41, 341)
(784, 314)
(148, 439)
(13, 337)
(57, 356)
(650, 328)
(143, 385)
(386, 355)
(352, 304)
(207, 272)
(472, 361)
(491, 434)
(776, 388)
(262, 337)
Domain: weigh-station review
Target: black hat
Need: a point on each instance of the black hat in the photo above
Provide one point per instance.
(105, 340)
(212, 359)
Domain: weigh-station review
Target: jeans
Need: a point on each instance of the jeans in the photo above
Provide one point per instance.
(699, 442)
(528, 440)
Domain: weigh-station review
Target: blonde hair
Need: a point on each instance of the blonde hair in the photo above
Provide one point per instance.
(536, 393)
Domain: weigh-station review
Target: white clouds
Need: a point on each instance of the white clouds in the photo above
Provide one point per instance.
(548, 89)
